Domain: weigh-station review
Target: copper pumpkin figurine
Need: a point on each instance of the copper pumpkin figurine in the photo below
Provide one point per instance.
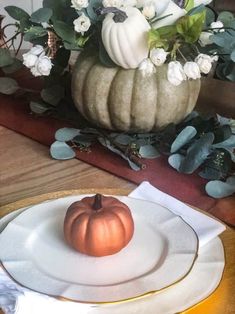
(98, 225)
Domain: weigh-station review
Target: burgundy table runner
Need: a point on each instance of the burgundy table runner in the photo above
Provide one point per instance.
(15, 115)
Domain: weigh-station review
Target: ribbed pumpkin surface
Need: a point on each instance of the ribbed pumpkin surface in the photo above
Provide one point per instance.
(124, 100)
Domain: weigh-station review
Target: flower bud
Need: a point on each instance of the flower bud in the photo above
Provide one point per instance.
(204, 62)
(175, 73)
(82, 24)
(149, 11)
(29, 59)
(158, 56)
(204, 39)
(79, 4)
(191, 69)
(43, 66)
(217, 26)
(147, 67)
(37, 50)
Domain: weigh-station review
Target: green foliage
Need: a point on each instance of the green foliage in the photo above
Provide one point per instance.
(34, 32)
(53, 94)
(5, 58)
(13, 67)
(189, 4)
(8, 86)
(41, 15)
(17, 13)
(190, 26)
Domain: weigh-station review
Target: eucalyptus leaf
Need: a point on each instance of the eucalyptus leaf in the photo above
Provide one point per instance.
(84, 140)
(148, 151)
(66, 134)
(15, 66)
(65, 31)
(61, 151)
(34, 32)
(104, 57)
(226, 18)
(232, 56)
(5, 58)
(222, 133)
(16, 13)
(230, 142)
(123, 139)
(197, 153)
(219, 189)
(90, 10)
(183, 138)
(231, 180)
(175, 161)
(39, 107)
(198, 9)
(8, 86)
(41, 15)
(53, 94)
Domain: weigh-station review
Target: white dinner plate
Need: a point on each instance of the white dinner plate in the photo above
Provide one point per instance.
(161, 253)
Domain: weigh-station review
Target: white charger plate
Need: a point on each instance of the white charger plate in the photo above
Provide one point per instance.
(161, 253)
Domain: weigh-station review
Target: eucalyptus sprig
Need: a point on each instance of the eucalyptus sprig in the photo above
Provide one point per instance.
(198, 144)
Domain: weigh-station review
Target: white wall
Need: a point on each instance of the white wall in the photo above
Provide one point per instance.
(28, 5)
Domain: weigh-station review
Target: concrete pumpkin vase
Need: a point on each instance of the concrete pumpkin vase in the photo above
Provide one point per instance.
(124, 100)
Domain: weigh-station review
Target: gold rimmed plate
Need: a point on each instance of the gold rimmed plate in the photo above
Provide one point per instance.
(160, 254)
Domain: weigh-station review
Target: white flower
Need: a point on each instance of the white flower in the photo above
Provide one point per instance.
(42, 67)
(79, 4)
(112, 3)
(191, 69)
(158, 56)
(147, 67)
(149, 11)
(129, 3)
(29, 59)
(82, 24)
(204, 62)
(175, 73)
(37, 50)
(204, 39)
(217, 26)
(35, 72)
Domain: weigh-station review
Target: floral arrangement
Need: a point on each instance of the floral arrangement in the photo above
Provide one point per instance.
(144, 34)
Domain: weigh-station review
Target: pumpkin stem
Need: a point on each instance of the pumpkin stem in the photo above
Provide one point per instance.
(119, 15)
(97, 202)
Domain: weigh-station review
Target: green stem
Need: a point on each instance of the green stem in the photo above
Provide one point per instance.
(119, 15)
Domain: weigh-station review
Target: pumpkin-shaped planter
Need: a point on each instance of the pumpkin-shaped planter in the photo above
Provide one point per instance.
(125, 100)
(98, 225)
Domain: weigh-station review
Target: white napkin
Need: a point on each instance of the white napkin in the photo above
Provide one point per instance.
(206, 228)
(15, 299)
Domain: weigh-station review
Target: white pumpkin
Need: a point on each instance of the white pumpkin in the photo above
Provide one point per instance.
(126, 42)
(174, 12)
(198, 2)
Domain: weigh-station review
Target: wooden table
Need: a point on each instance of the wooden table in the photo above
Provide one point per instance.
(26, 170)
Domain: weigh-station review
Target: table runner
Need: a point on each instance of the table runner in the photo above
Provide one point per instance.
(15, 115)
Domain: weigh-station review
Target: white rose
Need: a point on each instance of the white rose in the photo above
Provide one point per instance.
(129, 3)
(191, 69)
(204, 39)
(82, 24)
(217, 26)
(204, 62)
(43, 66)
(35, 72)
(175, 73)
(112, 3)
(79, 4)
(158, 56)
(149, 11)
(147, 67)
(29, 59)
(37, 50)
